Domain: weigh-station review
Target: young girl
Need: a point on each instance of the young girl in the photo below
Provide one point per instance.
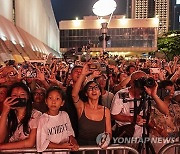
(18, 124)
(54, 129)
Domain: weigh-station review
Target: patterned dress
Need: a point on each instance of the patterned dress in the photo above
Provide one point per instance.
(170, 123)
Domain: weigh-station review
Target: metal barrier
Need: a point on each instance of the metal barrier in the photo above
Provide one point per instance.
(169, 146)
(110, 150)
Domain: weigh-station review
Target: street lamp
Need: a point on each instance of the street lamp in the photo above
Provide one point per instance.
(104, 8)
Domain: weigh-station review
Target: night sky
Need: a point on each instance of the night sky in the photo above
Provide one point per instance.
(69, 9)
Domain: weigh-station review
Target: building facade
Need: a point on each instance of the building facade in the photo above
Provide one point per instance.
(28, 30)
(126, 36)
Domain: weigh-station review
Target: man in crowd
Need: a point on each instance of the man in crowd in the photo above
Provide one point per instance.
(69, 104)
(123, 112)
(39, 100)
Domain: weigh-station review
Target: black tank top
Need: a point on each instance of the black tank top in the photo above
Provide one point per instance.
(89, 129)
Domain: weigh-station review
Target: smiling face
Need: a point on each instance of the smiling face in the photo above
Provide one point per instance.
(93, 91)
(54, 102)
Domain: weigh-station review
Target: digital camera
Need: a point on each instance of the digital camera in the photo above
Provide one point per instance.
(141, 82)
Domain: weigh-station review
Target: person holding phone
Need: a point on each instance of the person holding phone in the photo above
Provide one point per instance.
(18, 122)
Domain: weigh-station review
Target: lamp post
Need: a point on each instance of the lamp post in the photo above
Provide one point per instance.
(104, 8)
(104, 31)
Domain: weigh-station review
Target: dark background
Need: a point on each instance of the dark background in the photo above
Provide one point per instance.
(70, 9)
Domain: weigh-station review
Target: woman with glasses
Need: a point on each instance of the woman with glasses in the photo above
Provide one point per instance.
(94, 118)
(18, 122)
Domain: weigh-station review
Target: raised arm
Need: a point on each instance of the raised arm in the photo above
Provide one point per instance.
(78, 84)
(108, 122)
(161, 106)
(175, 75)
(174, 64)
(27, 143)
(4, 118)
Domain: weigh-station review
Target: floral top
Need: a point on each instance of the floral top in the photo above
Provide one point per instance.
(33, 123)
(169, 123)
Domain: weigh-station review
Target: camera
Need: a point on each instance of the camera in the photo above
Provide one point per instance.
(103, 68)
(93, 66)
(21, 102)
(141, 82)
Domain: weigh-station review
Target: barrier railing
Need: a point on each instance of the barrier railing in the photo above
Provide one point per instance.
(165, 148)
(110, 150)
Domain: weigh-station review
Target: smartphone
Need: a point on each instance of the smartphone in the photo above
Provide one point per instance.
(155, 70)
(21, 102)
(93, 66)
(142, 60)
(31, 73)
(146, 70)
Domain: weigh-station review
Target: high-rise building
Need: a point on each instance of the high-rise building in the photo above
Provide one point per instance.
(162, 11)
(149, 9)
(175, 15)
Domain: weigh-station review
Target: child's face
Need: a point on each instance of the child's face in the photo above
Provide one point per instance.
(54, 101)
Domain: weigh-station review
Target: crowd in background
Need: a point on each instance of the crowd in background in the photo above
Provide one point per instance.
(70, 102)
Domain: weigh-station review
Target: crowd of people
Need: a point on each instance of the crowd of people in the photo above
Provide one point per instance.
(67, 103)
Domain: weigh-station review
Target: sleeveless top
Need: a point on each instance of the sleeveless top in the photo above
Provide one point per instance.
(89, 129)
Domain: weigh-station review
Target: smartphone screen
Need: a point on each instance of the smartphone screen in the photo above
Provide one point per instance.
(155, 70)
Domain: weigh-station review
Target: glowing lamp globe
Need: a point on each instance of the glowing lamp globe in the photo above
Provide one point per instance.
(104, 7)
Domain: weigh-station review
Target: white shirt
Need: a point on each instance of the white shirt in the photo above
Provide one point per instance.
(107, 99)
(56, 129)
(118, 107)
(33, 123)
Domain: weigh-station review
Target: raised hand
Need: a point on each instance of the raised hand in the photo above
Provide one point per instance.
(40, 74)
(74, 143)
(7, 105)
(85, 70)
(140, 121)
(152, 91)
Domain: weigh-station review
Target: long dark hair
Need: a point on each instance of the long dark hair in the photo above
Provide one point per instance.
(58, 89)
(85, 89)
(12, 118)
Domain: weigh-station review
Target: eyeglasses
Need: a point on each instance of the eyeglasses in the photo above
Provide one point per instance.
(91, 88)
(38, 94)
